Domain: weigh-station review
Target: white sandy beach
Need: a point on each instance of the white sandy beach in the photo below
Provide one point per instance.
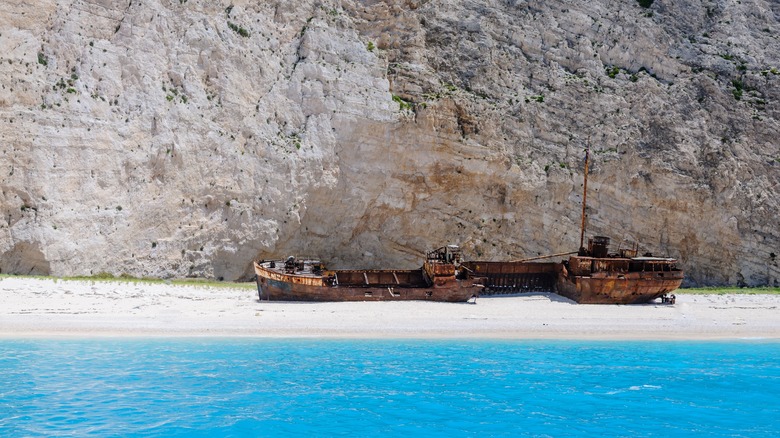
(50, 308)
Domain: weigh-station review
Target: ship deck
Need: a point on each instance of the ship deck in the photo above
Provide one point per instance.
(308, 269)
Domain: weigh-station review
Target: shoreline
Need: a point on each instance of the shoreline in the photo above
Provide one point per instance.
(510, 336)
(47, 308)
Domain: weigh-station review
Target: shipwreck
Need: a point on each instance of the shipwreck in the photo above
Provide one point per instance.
(440, 278)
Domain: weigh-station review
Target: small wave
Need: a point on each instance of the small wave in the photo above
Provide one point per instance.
(641, 387)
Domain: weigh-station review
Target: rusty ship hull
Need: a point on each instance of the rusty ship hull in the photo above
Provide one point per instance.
(294, 280)
(617, 280)
(620, 278)
(292, 288)
(633, 288)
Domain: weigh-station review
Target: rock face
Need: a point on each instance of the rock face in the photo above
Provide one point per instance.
(187, 137)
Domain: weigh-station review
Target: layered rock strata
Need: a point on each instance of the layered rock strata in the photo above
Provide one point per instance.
(185, 138)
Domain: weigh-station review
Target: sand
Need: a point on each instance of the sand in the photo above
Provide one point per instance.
(32, 307)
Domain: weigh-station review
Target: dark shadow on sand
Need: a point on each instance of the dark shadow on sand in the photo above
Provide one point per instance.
(549, 295)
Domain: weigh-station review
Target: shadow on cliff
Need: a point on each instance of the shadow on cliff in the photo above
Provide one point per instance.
(24, 258)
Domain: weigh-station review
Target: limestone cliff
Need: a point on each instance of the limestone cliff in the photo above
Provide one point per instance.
(187, 137)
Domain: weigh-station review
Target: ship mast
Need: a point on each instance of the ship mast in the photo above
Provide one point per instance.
(584, 199)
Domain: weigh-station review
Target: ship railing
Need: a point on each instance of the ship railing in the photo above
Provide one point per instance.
(661, 265)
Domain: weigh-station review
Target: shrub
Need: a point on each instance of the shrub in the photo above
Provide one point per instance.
(738, 89)
(402, 104)
(238, 29)
(645, 3)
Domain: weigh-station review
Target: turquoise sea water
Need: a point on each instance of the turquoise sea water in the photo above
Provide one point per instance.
(240, 387)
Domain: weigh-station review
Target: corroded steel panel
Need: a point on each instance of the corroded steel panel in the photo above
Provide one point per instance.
(515, 277)
(628, 288)
(439, 269)
(610, 265)
(510, 267)
(580, 265)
